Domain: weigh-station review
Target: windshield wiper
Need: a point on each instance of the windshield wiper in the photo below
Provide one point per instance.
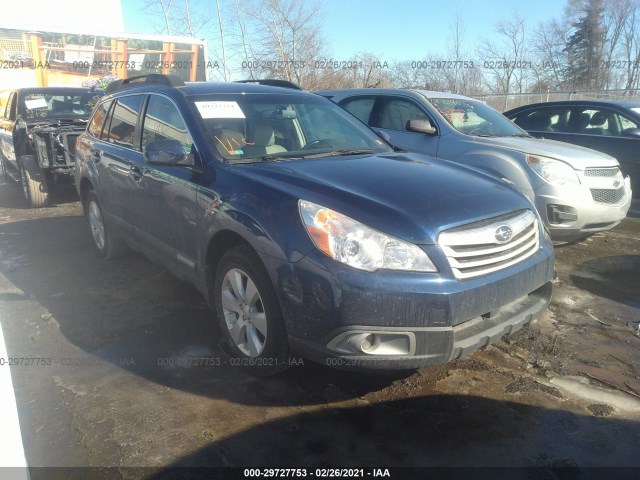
(522, 135)
(275, 158)
(340, 153)
(298, 156)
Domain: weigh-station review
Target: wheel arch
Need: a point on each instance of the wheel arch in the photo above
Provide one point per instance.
(85, 187)
(217, 246)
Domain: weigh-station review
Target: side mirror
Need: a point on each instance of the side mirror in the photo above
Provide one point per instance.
(420, 126)
(165, 152)
(631, 132)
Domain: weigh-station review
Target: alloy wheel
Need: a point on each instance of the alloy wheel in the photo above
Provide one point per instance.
(97, 225)
(244, 312)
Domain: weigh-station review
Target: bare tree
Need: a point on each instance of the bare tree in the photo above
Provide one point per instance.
(549, 54)
(225, 69)
(178, 17)
(505, 63)
(364, 70)
(456, 77)
(631, 48)
(283, 39)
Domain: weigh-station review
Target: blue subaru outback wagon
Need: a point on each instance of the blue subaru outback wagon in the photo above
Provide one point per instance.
(304, 230)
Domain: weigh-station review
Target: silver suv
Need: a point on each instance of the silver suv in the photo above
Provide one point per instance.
(576, 190)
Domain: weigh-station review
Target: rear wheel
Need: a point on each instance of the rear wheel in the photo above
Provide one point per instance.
(106, 245)
(249, 313)
(34, 183)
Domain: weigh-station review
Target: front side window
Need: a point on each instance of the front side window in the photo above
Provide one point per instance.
(162, 121)
(475, 118)
(124, 119)
(545, 120)
(273, 126)
(397, 112)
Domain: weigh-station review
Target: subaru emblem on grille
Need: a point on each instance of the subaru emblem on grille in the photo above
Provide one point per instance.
(503, 234)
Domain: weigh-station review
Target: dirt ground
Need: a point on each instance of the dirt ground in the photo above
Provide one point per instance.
(121, 388)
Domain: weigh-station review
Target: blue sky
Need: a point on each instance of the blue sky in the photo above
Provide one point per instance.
(400, 29)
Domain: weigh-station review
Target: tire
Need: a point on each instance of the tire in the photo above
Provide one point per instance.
(3, 166)
(252, 328)
(105, 244)
(33, 182)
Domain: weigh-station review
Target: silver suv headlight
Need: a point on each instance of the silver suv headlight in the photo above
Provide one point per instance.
(551, 170)
(359, 246)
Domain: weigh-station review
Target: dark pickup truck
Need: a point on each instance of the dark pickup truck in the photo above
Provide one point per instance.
(38, 133)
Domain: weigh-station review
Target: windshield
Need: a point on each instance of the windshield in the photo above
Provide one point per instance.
(475, 118)
(57, 106)
(286, 126)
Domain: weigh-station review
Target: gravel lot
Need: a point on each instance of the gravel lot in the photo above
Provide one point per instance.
(121, 387)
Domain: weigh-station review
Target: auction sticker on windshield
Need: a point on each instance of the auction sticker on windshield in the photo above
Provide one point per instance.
(219, 110)
(35, 103)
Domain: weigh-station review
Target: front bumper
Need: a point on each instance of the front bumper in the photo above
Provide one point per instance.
(417, 319)
(433, 345)
(570, 211)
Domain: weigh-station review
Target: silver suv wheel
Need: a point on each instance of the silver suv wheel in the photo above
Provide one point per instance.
(244, 312)
(97, 225)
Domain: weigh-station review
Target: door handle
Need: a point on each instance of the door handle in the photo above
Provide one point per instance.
(135, 172)
(95, 155)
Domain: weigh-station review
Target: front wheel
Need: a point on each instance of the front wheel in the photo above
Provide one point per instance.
(34, 183)
(106, 245)
(249, 313)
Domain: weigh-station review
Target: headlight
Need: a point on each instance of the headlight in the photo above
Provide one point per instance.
(553, 171)
(359, 246)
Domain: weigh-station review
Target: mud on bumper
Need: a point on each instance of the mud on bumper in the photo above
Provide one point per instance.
(424, 346)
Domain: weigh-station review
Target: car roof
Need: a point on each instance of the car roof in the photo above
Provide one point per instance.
(434, 94)
(595, 103)
(379, 91)
(206, 88)
(201, 88)
(45, 90)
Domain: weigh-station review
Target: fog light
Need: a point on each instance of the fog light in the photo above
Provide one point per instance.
(374, 343)
(561, 214)
(367, 343)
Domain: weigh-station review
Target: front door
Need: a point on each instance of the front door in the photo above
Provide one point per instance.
(166, 200)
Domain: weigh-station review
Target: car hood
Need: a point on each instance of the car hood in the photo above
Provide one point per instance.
(578, 157)
(407, 195)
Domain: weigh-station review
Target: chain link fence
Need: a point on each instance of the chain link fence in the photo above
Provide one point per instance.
(502, 103)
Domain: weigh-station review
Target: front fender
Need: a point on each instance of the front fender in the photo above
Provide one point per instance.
(269, 222)
(501, 165)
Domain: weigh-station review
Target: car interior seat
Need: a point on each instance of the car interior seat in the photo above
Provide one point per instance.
(227, 137)
(583, 123)
(539, 123)
(597, 122)
(262, 141)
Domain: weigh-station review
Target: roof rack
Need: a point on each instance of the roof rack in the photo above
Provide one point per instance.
(149, 79)
(273, 83)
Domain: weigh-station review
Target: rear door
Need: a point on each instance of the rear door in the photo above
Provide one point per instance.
(116, 155)
(602, 129)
